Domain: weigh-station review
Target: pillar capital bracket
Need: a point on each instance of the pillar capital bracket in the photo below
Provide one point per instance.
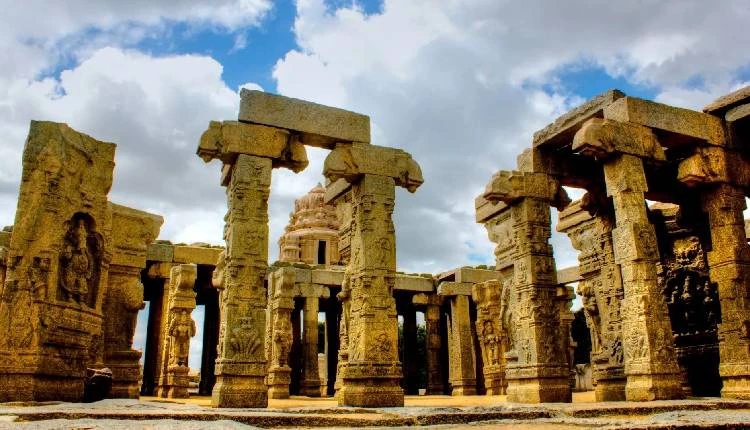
(714, 165)
(509, 186)
(605, 138)
(351, 160)
(224, 140)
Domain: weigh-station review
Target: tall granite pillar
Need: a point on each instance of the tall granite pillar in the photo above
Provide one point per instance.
(410, 361)
(487, 296)
(650, 360)
(310, 385)
(372, 373)
(463, 362)
(132, 232)
(280, 333)
(180, 327)
(539, 369)
(602, 291)
(433, 345)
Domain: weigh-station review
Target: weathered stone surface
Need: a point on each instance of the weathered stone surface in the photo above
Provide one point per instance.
(492, 336)
(325, 124)
(97, 384)
(561, 131)
(601, 138)
(57, 266)
(225, 140)
(728, 101)
(414, 283)
(684, 125)
(454, 288)
(351, 161)
(196, 255)
(160, 252)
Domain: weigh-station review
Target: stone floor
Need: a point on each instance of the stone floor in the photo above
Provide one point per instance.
(437, 412)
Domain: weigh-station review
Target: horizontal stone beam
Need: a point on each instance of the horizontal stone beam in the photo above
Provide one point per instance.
(325, 125)
(454, 289)
(132, 231)
(196, 254)
(225, 140)
(568, 275)
(486, 210)
(468, 274)
(419, 284)
(561, 132)
(350, 161)
(728, 101)
(510, 186)
(688, 125)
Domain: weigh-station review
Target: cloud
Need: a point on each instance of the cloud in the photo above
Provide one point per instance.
(463, 86)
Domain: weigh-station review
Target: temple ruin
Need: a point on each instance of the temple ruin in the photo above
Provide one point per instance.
(662, 247)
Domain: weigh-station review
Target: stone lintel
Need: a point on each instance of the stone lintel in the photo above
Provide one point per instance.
(468, 274)
(351, 161)
(423, 299)
(312, 291)
(454, 289)
(569, 275)
(336, 189)
(225, 140)
(414, 283)
(561, 132)
(326, 124)
(327, 277)
(196, 254)
(160, 270)
(738, 113)
(486, 210)
(677, 125)
(726, 102)
(163, 252)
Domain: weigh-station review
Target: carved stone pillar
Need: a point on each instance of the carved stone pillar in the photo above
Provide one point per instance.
(487, 296)
(372, 373)
(410, 363)
(174, 380)
(310, 385)
(280, 333)
(601, 291)
(463, 363)
(434, 344)
(539, 370)
(133, 231)
(729, 267)
(650, 359)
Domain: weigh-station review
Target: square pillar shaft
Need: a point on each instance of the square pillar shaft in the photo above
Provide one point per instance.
(650, 359)
(241, 363)
(434, 344)
(310, 385)
(463, 361)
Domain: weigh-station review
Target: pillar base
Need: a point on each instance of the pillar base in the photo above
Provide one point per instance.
(464, 390)
(175, 384)
(310, 388)
(278, 382)
(610, 390)
(644, 388)
(736, 387)
(126, 373)
(539, 390)
(372, 393)
(238, 391)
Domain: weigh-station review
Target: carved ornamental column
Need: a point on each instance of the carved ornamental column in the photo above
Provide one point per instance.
(310, 385)
(180, 327)
(279, 335)
(539, 369)
(432, 305)
(718, 174)
(372, 374)
(489, 331)
(650, 359)
(601, 291)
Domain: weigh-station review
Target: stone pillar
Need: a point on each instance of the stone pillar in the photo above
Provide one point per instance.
(151, 370)
(410, 364)
(211, 321)
(332, 343)
(487, 296)
(372, 373)
(729, 267)
(132, 232)
(463, 362)
(650, 360)
(434, 344)
(280, 333)
(310, 385)
(601, 290)
(174, 380)
(538, 371)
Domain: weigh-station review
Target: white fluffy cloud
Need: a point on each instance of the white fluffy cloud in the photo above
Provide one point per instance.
(463, 86)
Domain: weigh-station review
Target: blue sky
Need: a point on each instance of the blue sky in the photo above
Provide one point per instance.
(461, 85)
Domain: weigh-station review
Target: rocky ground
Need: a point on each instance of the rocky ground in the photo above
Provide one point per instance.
(434, 412)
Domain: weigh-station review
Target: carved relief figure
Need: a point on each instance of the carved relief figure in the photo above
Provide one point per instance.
(282, 341)
(491, 342)
(78, 263)
(181, 329)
